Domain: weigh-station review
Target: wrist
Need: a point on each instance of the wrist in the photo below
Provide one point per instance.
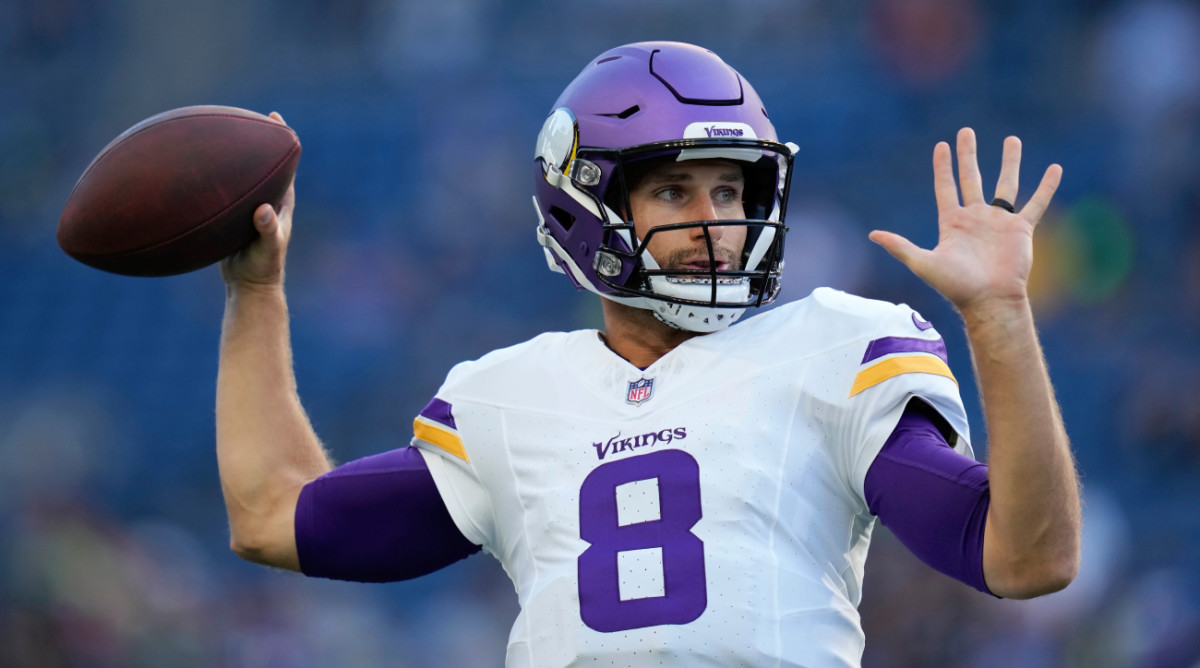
(237, 289)
(996, 311)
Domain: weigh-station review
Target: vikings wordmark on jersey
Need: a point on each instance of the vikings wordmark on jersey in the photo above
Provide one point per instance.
(722, 523)
(621, 442)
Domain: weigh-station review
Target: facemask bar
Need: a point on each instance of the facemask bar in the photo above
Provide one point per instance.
(764, 282)
(761, 255)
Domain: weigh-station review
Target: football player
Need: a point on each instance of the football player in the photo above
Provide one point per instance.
(688, 486)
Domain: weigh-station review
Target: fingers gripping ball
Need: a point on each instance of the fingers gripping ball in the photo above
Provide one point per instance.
(178, 191)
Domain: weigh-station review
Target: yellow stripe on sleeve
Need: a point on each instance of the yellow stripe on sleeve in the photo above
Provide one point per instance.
(446, 440)
(890, 368)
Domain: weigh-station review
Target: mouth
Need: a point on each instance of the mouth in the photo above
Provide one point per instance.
(697, 264)
(703, 266)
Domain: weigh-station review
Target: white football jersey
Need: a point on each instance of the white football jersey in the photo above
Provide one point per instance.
(705, 511)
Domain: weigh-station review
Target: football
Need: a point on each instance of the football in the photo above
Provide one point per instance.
(177, 191)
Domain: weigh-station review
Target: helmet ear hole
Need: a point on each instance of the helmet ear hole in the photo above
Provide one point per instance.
(565, 219)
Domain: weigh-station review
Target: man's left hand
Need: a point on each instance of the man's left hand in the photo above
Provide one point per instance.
(984, 252)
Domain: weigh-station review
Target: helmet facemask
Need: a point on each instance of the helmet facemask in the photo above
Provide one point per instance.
(719, 283)
(643, 104)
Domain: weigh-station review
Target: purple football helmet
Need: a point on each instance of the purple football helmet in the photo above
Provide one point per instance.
(659, 101)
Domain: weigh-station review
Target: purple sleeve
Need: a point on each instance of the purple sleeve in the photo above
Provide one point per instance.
(934, 499)
(376, 519)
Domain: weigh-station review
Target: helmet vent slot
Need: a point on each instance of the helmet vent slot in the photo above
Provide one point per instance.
(625, 114)
(608, 59)
(565, 219)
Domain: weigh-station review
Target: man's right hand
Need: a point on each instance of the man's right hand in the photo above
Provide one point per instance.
(261, 262)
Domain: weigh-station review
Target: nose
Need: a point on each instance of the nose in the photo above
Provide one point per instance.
(705, 209)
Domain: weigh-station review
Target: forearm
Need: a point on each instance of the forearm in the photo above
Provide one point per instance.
(266, 447)
(1032, 538)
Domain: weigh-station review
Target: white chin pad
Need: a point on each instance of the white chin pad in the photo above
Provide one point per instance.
(702, 319)
(699, 318)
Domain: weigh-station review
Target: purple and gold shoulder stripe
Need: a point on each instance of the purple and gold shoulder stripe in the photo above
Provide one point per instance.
(435, 424)
(892, 356)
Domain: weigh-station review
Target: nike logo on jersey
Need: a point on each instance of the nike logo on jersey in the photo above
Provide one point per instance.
(618, 444)
(921, 324)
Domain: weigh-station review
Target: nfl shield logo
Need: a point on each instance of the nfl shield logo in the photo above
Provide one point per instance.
(640, 391)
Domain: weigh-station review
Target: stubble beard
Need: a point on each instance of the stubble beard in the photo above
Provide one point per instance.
(678, 259)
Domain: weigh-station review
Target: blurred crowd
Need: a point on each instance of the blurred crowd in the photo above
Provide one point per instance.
(414, 249)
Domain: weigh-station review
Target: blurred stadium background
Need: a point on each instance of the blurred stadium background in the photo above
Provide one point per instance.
(414, 249)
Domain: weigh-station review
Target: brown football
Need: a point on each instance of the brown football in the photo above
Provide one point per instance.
(178, 191)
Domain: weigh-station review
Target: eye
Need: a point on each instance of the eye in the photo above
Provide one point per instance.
(728, 196)
(669, 193)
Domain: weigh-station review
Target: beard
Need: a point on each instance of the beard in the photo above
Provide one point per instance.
(679, 259)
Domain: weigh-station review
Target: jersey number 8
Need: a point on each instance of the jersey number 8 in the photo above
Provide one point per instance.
(644, 566)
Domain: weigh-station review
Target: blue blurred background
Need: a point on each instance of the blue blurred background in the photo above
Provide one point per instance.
(414, 249)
